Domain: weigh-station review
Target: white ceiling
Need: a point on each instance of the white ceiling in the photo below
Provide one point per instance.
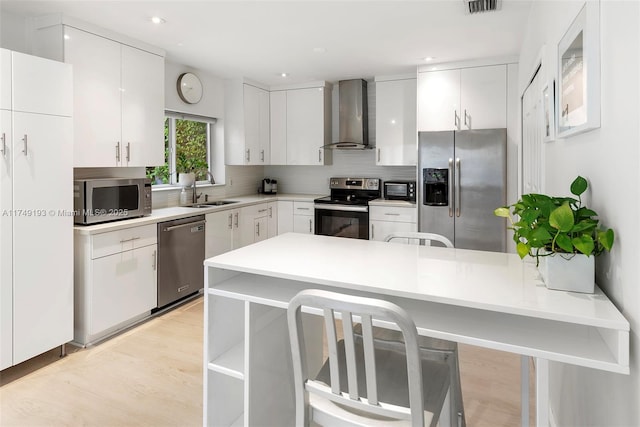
(262, 39)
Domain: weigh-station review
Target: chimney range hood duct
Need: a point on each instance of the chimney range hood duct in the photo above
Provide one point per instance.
(353, 117)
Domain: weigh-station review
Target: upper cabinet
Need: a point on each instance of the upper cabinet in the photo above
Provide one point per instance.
(246, 119)
(301, 125)
(118, 96)
(459, 99)
(396, 135)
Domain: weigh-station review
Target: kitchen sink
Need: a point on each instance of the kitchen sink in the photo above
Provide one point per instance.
(216, 203)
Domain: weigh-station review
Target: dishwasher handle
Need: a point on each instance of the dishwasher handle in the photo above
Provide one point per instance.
(188, 224)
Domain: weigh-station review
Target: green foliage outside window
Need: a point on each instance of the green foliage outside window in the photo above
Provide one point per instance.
(191, 151)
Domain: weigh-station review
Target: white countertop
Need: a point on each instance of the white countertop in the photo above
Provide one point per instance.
(167, 214)
(484, 280)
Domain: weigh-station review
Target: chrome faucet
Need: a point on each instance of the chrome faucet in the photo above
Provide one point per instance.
(212, 180)
(194, 195)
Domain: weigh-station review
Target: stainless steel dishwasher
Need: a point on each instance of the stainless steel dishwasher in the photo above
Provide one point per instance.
(180, 258)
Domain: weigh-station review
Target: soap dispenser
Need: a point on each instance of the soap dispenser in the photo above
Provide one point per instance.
(184, 197)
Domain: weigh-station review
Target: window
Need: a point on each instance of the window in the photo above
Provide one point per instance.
(187, 148)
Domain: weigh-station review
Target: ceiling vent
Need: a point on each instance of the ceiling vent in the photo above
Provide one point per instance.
(476, 6)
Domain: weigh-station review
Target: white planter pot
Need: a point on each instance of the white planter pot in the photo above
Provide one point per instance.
(568, 273)
(186, 179)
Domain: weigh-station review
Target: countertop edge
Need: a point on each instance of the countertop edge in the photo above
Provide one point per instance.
(175, 212)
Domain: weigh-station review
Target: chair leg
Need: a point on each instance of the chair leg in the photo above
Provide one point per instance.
(445, 415)
(456, 405)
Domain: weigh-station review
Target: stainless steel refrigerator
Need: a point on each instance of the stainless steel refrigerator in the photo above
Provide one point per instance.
(463, 179)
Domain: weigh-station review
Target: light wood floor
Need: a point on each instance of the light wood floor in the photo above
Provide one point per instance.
(152, 376)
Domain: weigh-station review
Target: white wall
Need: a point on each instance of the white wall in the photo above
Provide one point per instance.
(609, 157)
(13, 32)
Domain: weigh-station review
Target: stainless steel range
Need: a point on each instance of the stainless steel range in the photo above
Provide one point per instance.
(345, 213)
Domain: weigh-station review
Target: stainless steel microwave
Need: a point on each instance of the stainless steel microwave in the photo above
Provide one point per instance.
(400, 190)
(110, 199)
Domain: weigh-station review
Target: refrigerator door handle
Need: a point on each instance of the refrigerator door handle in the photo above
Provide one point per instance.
(450, 187)
(457, 179)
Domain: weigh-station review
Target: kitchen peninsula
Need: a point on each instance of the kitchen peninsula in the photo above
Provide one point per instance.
(486, 299)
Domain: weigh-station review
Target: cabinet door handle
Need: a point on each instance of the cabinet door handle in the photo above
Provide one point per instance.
(248, 154)
(320, 156)
(230, 221)
(236, 220)
(25, 145)
(302, 209)
(4, 145)
(118, 152)
(455, 118)
(373, 234)
(378, 155)
(258, 229)
(262, 210)
(310, 225)
(129, 240)
(154, 264)
(262, 155)
(270, 212)
(392, 214)
(128, 152)
(465, 119)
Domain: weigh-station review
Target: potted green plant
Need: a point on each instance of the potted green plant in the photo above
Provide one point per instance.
(561, 234)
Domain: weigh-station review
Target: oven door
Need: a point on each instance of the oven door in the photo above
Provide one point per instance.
(342, 221)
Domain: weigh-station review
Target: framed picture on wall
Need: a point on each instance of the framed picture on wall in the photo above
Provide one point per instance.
(578, 97)
(549, 111)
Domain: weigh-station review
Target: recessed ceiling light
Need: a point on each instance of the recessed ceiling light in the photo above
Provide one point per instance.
(284, 74)
(434, 68)
(66, 37)
(429, 58)
(157, 20)
(319, 49)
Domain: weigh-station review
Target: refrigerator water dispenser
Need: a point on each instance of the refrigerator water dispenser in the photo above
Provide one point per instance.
(435, 187)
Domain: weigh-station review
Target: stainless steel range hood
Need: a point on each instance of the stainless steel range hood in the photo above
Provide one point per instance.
(353, 119)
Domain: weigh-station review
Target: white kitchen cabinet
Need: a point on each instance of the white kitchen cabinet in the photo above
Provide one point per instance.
(285, 216)
(301, 125)
(36, 174)
(303, 217)
(247, 139)
(118, 97)
(124, 287)
(219, 232)
(5, 79)
(278, 127)
(384, 220)
(396, 132)
(460, 99)
(6, 237)
(254, 223)
(115, 280)
(272, 219)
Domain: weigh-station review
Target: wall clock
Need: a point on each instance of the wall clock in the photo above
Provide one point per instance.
(189, 88)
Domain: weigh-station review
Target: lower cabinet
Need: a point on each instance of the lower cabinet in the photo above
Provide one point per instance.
(384, 220)
(115, 281)
(231, 229)
(221, 232)
(303, 217)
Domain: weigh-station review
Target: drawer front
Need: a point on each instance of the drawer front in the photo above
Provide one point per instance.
(394, 214)
(123, 240)
(303, 208)
(256, 211)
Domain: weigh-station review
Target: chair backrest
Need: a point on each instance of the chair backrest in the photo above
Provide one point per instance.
(422, 237)
(363, 310)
